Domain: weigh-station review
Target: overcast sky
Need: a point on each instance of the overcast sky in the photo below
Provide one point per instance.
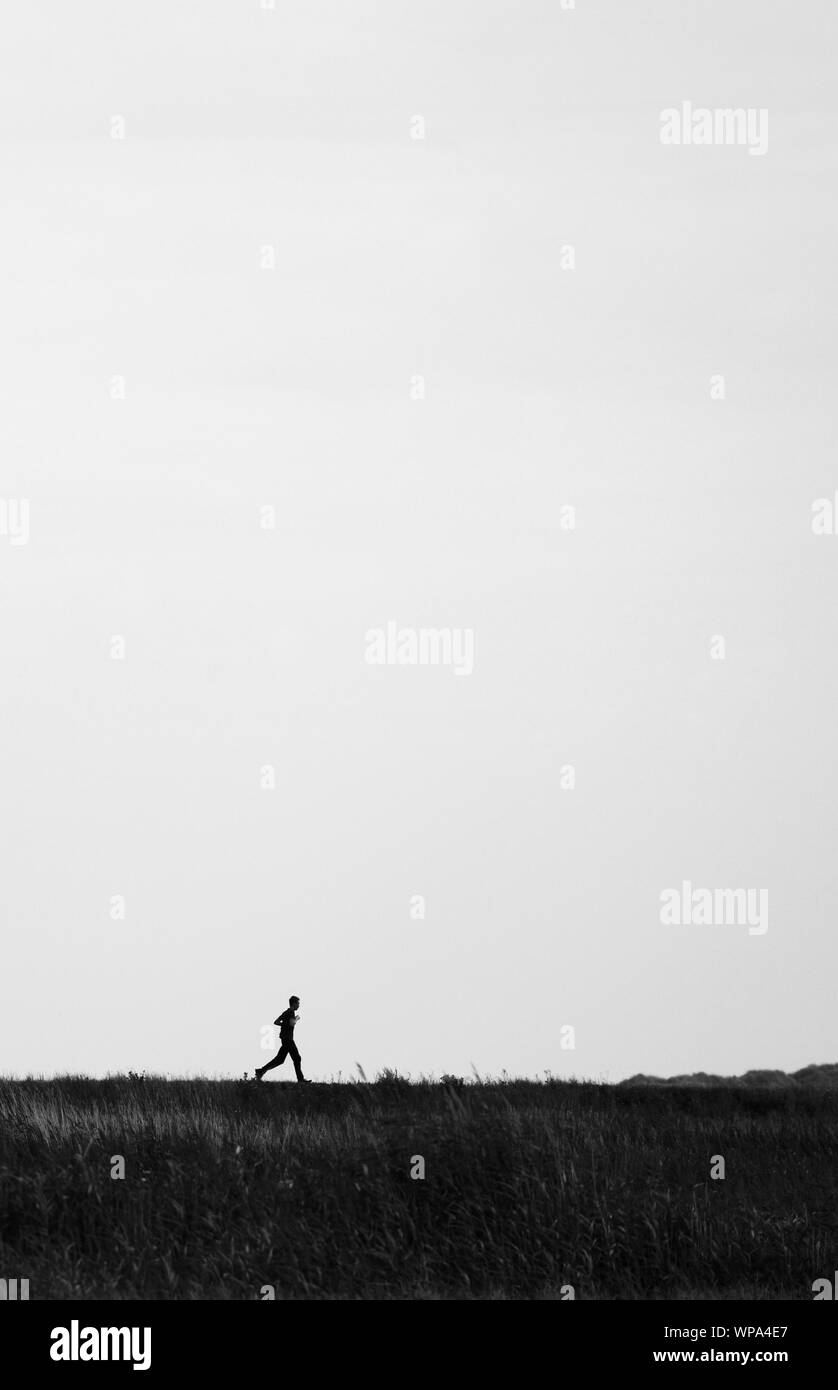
(569, 290)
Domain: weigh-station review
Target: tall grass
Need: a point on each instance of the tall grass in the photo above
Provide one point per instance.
(528, 1187)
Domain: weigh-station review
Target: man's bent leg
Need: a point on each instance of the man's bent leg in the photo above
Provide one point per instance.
(297, 1060)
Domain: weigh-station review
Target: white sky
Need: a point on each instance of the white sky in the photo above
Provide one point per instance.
(140, 258)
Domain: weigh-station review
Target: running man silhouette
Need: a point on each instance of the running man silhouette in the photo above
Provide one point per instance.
(288, 1048)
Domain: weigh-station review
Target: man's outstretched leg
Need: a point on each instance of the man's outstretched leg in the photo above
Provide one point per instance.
(274, 1062)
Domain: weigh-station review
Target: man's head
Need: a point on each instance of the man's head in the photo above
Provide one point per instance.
(294, 1001)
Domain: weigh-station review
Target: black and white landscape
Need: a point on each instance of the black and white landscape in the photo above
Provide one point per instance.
(418, 562)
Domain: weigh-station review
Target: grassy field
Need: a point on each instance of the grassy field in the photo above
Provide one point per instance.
(528, 1187)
